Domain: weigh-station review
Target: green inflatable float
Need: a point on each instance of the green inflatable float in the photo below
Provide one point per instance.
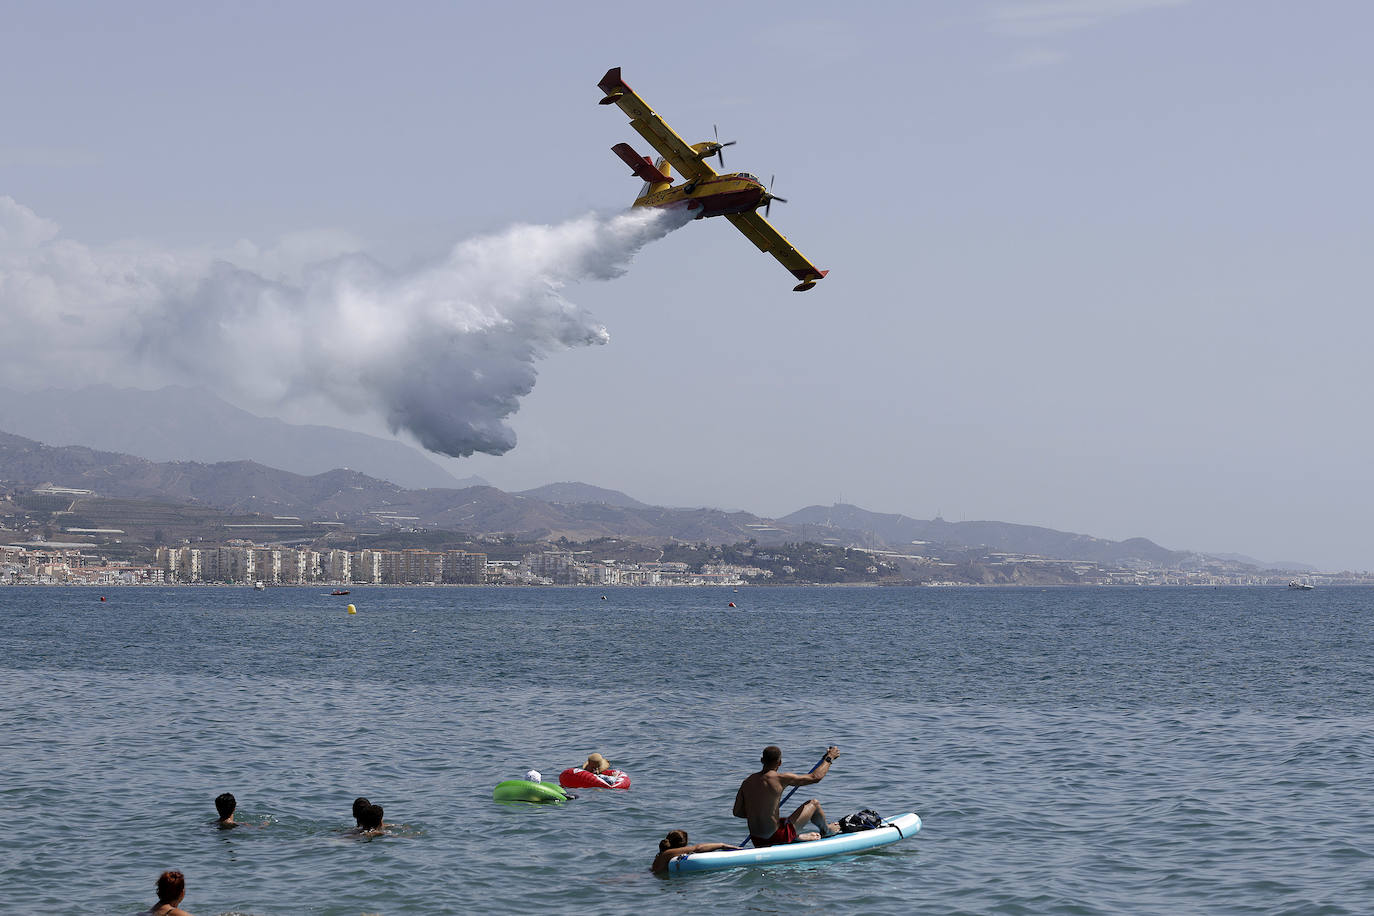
(526, 791)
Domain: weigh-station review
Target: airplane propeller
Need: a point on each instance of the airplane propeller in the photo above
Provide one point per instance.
(720, 146)
(769, 197)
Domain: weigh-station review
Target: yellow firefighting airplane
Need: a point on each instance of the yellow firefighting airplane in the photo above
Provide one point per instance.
(736, 196)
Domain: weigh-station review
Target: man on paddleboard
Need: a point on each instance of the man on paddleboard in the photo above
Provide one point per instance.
(760, 795)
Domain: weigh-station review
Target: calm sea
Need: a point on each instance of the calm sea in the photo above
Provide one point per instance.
(1070, 751)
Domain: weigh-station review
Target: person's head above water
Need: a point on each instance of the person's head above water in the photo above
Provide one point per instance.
(533, 776)
(596, 763)
(675, 839)
(225, 804)
(370, 818)
(772, 756)
(171, 887)
(360, 804)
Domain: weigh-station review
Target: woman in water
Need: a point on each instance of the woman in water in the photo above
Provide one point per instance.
(675, 844)
(171, 888)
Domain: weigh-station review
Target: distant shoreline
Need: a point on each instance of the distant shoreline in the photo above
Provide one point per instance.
(607, 588)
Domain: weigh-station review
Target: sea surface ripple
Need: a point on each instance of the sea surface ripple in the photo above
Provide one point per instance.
(1070, 751)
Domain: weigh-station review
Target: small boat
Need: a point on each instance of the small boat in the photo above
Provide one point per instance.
(259, 585)
(1301, 586)
(893, 829)
(339, 591)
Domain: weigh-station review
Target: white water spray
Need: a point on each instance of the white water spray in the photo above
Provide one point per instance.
(443, 351)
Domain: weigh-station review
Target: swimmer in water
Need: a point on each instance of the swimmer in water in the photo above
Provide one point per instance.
(369, 821)
(675, 844)
(360, 805)
(171, 888)
(225, 805)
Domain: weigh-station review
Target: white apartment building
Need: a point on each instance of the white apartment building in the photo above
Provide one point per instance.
(340, 566)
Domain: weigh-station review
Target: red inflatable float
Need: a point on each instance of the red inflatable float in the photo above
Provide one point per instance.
(578, 778)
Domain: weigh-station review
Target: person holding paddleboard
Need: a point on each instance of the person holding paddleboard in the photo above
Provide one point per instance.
(675, 844)
(760, 798)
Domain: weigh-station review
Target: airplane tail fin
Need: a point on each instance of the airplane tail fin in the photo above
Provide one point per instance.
(665, 171)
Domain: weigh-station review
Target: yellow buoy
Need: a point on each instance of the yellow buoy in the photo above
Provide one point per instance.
(352, 609)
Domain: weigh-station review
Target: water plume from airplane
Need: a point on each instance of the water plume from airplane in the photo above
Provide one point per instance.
(443, 351)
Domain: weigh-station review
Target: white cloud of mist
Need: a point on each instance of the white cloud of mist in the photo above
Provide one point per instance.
(444, 351)
(21, 228)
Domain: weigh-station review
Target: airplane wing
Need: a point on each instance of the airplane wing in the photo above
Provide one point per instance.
(651, 127)
(770, 241)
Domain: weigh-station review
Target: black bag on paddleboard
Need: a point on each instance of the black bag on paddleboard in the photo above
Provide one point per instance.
(866, 819)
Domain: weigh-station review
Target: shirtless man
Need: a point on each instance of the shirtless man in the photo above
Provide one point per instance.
(761, 793)
(675, 844)
(171, 890)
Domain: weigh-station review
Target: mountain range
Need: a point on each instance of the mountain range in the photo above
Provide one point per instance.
(248, 492)
(177, 423)
(184, 446)
(361, 502)
(895, 530)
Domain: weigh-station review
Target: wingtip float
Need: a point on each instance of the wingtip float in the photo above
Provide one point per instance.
(737, 196)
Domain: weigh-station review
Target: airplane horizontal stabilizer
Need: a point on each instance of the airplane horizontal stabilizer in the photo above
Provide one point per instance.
(640, 165)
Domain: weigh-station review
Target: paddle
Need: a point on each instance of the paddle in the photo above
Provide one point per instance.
(750, 838)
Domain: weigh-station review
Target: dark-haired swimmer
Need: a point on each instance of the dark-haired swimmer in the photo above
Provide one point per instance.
(225, 805)
(171, 888)
(675, 844)
(360, 805)
(369, 821)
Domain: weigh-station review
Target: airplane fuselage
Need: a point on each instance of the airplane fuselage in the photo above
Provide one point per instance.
(704, 192)
(737, 193)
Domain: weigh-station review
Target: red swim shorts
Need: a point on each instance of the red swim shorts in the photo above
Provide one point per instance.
(785, 833)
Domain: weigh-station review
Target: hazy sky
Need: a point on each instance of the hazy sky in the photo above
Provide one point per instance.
(1099, 265)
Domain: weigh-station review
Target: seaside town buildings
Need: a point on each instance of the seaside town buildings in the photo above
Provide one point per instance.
(244, 563)
(241, 562)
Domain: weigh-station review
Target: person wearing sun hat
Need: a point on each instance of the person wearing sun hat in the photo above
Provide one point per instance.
(600, 767)
(596, 773)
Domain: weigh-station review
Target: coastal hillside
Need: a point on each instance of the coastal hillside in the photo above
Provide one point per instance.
(898, 530)
(226, 485)
(357, 503)
(360, 502)
(573, 493)
(178, 423)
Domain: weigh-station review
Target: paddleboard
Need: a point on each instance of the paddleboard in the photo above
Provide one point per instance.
(893, 829)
